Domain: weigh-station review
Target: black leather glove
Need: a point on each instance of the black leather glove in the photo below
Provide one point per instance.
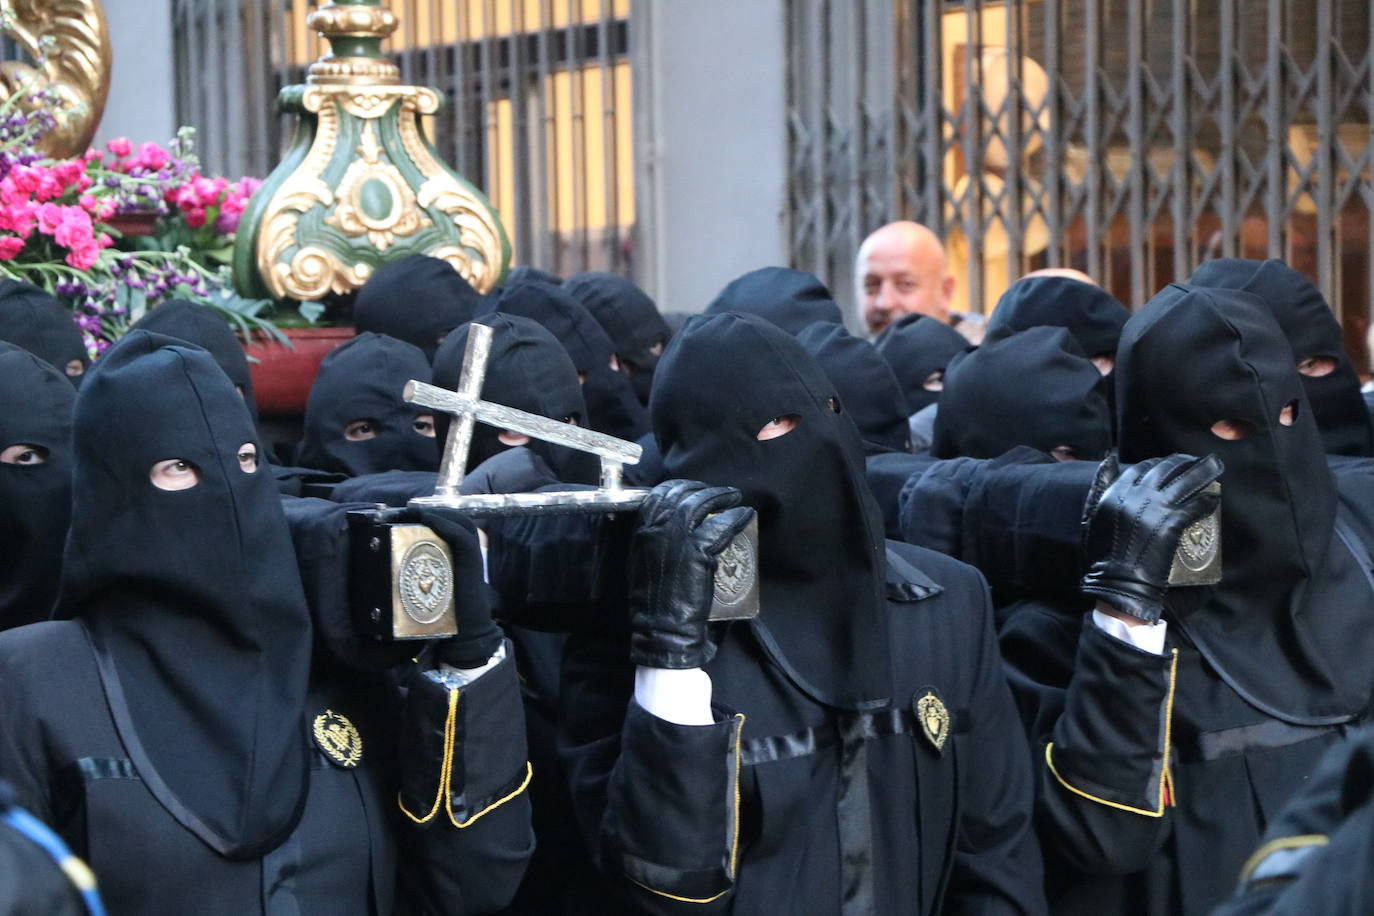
(513, 470)
(672, 570)
(1133, 523)
(478, 635)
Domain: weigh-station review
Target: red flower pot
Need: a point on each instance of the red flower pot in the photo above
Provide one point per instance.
(282, 376)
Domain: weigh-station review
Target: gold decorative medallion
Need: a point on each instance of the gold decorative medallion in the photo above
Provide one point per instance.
(338, 738)
(934, 719)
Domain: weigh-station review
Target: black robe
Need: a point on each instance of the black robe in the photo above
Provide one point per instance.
(788, 805)
(353, 849)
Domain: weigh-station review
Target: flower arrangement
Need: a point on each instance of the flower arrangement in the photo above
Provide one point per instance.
(57, 227)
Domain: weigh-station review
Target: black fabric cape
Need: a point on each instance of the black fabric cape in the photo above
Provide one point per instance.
(191, 597)
(790, 299)
(418, 299)
(34, 320)
(364, 380)
(868, 389)
(1312, 330)
(915, 346)
(199, 325)
(630, 317)
(35, 409)
(1033, 388)
(612, 406)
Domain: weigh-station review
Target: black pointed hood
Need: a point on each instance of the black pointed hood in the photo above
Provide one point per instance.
(35, 409)
(417, 299)
(612, 406)
(916, 346)
(199, 325)
(364, 380)
(35, 320)
(1033, 387)
(1091, 314)
(191, 597)
(1288, 626)
(790, 299)
(822, 561)
(868, 389)
(627, 314)
(1312, 330)
(527, 369)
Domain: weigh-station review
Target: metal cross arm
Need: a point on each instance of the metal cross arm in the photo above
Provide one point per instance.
(467, 407)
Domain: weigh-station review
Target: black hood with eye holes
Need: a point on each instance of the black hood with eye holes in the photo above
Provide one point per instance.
(35, 409)
(364, 380)
(868, 389)
(915, 346)
(627, 314)
(191, 597)
(1288, 626)
(1312, 330)
(417, 299)
(823, 618)
(527, 369)
(36, 321)
(199, 325)
(612, 405)
(790, 299)
(1033, 387)
(1091, 314)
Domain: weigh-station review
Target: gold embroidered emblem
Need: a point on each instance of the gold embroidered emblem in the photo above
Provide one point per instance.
(338, 738)
(934, 719)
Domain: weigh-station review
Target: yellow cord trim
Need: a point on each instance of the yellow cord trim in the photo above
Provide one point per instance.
(78, 873)
(1164, 780)
(1284, 842)
(529, 774)
(734, 848)
(446, 769)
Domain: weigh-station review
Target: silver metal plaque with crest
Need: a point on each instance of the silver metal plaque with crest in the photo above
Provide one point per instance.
(1197, 559)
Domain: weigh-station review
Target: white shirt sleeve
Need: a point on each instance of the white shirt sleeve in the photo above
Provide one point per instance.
(681, 696)
(451, 677)
(1146, 638)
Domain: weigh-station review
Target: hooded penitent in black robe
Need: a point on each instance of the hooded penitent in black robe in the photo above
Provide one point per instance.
(1312, 331)
(34, 320)
(612, 406)
(1033, 388)
(827, 783)
(191, 756)
(418, 299)
(1159, 773)
(790, 299)
(917, 348)
(36, 491)
(629, 316)
(364, 380)
(202, 327)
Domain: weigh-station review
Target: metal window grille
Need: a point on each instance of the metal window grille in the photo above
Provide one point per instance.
(538, 114)
(1131, 139)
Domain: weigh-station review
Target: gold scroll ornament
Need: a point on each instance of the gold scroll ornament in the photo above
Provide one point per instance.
(300, 258)
(70, 39)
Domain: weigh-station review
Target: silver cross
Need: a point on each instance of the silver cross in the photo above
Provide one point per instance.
(467, 408)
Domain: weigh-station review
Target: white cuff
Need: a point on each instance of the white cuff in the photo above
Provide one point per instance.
(1147, 638)
(681, 696)
(451, 677)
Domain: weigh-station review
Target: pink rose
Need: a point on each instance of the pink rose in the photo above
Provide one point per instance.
(84, 256)
(195, 217)
(120, 146)
(152, 156)
(10, 246)
(49, 218)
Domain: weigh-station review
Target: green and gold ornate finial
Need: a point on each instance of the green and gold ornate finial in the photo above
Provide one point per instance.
(361, 185)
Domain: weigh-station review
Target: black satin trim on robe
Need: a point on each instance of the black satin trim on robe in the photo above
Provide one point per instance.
(105, 768)
(854, 818)
(1245, 739)
(128, 736)
(884, 723)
